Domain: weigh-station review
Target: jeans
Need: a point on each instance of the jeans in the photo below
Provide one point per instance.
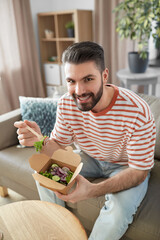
(119, 208)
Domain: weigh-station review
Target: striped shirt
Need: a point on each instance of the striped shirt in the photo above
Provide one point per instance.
(124, 133)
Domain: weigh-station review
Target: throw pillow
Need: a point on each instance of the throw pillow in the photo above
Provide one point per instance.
(40, 110)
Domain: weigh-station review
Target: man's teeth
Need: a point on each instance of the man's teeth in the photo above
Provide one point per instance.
(83, 98)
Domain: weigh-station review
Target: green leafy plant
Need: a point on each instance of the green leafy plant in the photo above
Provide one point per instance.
(156, 34)
(134, 20)
(69, 24)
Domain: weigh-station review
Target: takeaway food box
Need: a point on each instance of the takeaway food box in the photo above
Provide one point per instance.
(64, 158)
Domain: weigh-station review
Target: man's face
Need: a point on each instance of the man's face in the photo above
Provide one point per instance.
(85, 84)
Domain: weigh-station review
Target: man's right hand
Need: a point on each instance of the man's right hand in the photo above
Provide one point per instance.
(26, 137)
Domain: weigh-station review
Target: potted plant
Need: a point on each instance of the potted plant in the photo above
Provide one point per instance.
(70, 28)
(156, 33)
(156, 37)
(134, 20)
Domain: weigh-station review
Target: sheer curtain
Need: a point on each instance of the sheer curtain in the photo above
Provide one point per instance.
(116, 50)
(19, 67)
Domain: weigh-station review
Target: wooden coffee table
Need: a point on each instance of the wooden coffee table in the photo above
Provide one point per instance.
(38, 220)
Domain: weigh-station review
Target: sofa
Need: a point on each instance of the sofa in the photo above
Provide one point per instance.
(16, 174)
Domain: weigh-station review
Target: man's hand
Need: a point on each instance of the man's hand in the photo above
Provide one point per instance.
(82, 191)
(123, 180)
(26, 137)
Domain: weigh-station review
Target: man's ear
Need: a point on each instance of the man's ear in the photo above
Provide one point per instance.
(105, 75)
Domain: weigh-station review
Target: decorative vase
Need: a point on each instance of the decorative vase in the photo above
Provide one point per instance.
(70, 32)
(137, 64)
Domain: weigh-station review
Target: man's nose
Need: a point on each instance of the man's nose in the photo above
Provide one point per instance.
(79, 89)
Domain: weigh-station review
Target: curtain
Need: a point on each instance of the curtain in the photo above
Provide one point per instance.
(19, 66)
(116, 50)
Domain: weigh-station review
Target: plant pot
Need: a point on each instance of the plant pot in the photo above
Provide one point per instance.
(137, 64)
(70, 32)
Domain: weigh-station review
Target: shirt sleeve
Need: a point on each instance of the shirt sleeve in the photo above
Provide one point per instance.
(62, 132)
(141, 146)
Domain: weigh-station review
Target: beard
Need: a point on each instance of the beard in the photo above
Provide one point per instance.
(94, 99)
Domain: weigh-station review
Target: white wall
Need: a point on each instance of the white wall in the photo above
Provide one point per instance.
(38, 6)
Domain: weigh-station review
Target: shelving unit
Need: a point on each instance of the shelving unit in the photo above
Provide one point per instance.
(54, 46)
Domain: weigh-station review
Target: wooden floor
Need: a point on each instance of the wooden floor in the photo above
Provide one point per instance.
(12, 197)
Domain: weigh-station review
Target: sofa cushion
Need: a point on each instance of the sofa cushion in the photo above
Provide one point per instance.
(146, 221)
(40, 110)
(154, 103)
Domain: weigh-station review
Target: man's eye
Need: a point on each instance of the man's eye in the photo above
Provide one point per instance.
(88, 79)
(70, 81)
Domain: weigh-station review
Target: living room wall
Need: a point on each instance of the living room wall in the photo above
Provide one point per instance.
(38, 6)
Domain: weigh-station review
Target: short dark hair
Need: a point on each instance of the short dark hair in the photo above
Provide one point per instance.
(83, 52)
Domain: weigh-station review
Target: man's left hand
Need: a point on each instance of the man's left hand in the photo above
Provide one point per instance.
(82, 191)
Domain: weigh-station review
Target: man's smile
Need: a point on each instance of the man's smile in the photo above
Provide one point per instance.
(83, 99)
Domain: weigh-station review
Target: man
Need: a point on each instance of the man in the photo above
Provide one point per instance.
(115, 131)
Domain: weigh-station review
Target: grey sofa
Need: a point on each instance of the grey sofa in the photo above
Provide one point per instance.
(15, 173)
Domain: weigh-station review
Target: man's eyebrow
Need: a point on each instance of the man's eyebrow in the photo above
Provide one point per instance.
(89, 75)
(68, 78)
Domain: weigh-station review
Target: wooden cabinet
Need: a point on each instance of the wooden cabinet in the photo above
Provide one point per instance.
(54, 39)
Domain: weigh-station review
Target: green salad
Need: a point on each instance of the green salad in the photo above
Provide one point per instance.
(55, 172)
(38, 145)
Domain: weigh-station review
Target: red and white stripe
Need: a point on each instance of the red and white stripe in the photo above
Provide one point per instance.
(123, 133)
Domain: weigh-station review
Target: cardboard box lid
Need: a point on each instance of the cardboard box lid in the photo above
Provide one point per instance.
(37, 161)
(77, 171)
(67, 153)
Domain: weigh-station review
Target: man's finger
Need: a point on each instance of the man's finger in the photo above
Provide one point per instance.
(62, 196)
(19, 124)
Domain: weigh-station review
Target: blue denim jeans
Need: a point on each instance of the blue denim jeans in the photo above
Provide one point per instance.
(119, 208)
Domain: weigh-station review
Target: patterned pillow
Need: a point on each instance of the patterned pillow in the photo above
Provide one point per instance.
(40, 110)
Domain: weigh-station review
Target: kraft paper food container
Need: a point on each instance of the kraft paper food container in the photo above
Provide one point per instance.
(64, 158)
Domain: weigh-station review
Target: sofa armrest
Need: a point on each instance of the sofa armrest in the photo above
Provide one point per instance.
(154, 103)
(7, 129)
